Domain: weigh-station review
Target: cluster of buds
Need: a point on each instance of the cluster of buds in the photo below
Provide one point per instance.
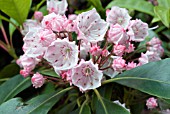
(99, 49)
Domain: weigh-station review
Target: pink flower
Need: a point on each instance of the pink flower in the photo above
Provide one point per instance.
(72, 16)
(28, 63)
(37, 41)
(154, 41)
(30, 24)
(56, 6)
(25, 72)
(67, 75)
(54, 22)
(38, 15)
(90, 26)
(137, 30)
(119, 64)
(37, 80)
(143, 59)
(118, 16)
(130, 65)
(153, 56)
(130, 48)
(46, 37)
(105, 53)
(70, 26)
(84, 49)
(117, 35)
(119, 49)
(95, 50)
(156, 49)
(62, 54)
(151, 103)
(86, 75)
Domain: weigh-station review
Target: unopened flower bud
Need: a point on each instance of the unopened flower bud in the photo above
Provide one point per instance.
(38, 15)
(37, 80)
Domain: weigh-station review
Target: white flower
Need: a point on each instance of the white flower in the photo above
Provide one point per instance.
(118, 16)
(86, 75)
(54, 22)
(117, 35)
(91, 27)
(138, 30)
(56, 6)
(62, 54)
(37, 41)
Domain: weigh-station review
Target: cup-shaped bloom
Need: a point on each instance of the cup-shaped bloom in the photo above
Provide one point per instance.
(54, 22)
(86, 75)
(37, 41)
(151, 103)
(57, 6)
(90, 26)
(37, 80)
(117, 35)
(30, 24)
(62, 54)
(137, 30)
(118, 16)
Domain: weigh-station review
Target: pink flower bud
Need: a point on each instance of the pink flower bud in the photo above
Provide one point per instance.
(130, 48)
(119, 64)
(151, 103)
(38, 15)
(37, 80)
(105, 52)
(95, 50)
(25, 72)
(154, 41)
(130, 65)
(119, 49)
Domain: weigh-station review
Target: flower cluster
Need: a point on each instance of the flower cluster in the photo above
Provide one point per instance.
(101, 48)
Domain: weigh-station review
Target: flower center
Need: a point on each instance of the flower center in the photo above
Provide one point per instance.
(87, 71)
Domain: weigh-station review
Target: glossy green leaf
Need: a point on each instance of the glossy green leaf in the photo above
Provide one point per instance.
(164, 14)
(16, 9)
(152, 78)
(13, 86)
(111, 108)
(13, 68)
(44, 10)
(50, 72)
(164, 3)
(38, 105)
(139, 5)
(66, 108)
(98, 5)
(167, 33)
(85, 110)
(12, 28)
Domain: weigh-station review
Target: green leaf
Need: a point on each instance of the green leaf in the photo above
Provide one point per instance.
(16, 9)
(13, 86)
(166, 33)
(85, 110)
(13, 68)
(164, 14)
(12, 28)
(44, 10)
(38, 105)
(49, 72)
(152, 78)
(104, 106)
(139, 5)
(164, 3)
(67, 108)
(98, 5)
